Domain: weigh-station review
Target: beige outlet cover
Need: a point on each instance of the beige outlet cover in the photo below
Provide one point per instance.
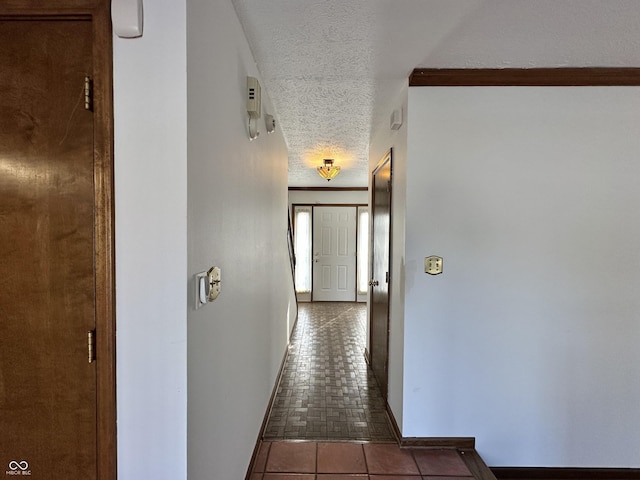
(433, 265)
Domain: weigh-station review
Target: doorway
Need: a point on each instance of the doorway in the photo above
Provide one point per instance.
(380, 271)
(331, 251)
(57, 385)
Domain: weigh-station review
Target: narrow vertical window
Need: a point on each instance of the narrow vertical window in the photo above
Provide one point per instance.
(302, 240)
(363, 250)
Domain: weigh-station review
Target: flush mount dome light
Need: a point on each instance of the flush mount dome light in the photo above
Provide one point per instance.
(328, 170)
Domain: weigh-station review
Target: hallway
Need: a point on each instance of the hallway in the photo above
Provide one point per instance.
(329, 420)
(326, 391)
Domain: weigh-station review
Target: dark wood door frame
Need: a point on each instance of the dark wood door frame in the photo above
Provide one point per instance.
(98, 11)
(373, 356)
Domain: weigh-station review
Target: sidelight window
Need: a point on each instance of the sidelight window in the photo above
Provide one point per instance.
(302, 241)
(363, 250)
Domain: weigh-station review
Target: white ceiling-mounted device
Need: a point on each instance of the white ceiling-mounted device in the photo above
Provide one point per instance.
(270, 123)
(253, 106)
(396, 119)
(127, 18)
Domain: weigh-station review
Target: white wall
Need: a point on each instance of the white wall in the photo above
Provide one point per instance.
(382, 140)
(151, 245)
(237, 220)
(311, 197)
(529, 339)
(170, 224)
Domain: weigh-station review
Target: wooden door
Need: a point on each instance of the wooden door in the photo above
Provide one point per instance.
(48, 387)
(380, 272)
(334, 254)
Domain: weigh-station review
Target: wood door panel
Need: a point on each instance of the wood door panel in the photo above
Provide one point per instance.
(380, 268)
(334, 258)
(47, 278)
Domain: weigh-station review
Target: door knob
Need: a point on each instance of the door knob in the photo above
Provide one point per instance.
(374, 283)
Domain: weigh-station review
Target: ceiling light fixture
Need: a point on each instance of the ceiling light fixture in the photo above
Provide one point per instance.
(328, 170)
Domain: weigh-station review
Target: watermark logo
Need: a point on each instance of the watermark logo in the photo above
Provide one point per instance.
(18, 468)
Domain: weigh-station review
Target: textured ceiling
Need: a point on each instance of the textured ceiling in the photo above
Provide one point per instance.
(333, 68)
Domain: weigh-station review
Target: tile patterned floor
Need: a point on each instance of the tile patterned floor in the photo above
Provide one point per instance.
(285, 460)
(327, 391)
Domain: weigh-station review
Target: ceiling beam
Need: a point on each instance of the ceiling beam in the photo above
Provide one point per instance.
(524, 77)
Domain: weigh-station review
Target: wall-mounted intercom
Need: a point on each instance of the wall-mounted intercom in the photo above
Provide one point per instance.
(253, 106)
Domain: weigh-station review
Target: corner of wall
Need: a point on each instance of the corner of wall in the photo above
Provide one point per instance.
(150, 152)
(382, 140)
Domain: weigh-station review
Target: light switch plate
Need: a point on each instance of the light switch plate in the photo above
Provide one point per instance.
(213, 277)
(433, 265)
(207, 286)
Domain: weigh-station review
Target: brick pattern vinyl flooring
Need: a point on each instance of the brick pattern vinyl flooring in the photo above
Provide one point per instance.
(327, 392)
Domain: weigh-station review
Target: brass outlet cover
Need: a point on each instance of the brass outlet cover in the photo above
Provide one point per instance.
(433, 265)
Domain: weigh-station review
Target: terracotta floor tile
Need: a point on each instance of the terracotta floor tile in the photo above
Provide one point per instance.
(288, 476)
(395, 477)
(435, 477)
(441, 462)
(341, 476)
(292, 457)
(389, 459)
(341, 458)
(261, 458)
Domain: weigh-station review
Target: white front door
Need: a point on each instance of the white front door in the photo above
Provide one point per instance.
(334, 254)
